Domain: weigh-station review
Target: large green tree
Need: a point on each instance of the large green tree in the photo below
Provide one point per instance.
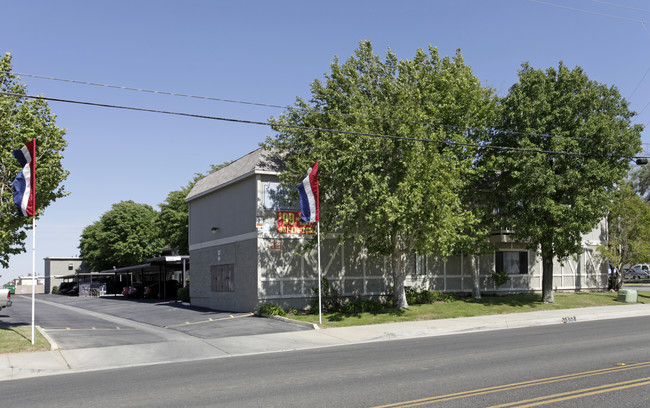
(553, 199)
(22, 120)
(400, 192)
(125, 235)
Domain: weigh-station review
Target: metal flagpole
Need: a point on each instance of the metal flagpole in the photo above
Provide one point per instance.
(34, 242)
(33, 270)
(320, 292)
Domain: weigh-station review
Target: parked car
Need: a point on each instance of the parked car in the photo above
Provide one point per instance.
(152, 290)
(639, 271)
(66, 287)
(136, 290)
(5, 298)
(74, 290)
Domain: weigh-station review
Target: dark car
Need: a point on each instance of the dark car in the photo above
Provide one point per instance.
(73, 291)
(65, 287)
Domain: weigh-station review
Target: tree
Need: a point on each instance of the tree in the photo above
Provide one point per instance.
(21, 120)
(641, 181)
(628, 240)
(172, 221)
(394, 194)
(125, 235)
(553, 199)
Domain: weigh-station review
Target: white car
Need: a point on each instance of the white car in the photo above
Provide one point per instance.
(639, 271)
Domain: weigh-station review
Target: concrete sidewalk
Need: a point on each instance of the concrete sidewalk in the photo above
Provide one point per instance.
(24, 365)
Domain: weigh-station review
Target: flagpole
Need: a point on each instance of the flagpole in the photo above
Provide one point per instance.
(320, 292)
(34, 241)
(33, 271)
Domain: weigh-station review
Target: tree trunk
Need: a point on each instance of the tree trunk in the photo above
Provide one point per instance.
(399, 294)
(619, 279)
(476, 287)
(547, 275)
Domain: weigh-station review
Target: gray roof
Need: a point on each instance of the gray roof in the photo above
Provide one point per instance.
(259, 161)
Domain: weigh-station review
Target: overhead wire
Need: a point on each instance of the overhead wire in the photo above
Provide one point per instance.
(318, 111)
(607, 3)
(300, 127)
(634, 20)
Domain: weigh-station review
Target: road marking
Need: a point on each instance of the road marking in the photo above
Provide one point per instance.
(83, 329)
(514, 386)
(585, 392)
(208, 321)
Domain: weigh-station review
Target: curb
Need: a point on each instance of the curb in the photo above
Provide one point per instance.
(53, 345)
(312, 326)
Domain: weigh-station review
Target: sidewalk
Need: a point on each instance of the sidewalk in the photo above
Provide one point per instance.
(24, 365)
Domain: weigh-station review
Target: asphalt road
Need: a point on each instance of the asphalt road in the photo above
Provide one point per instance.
(78, 322)
(590, 364)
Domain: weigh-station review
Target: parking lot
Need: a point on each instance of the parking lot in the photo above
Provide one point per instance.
(85, 322)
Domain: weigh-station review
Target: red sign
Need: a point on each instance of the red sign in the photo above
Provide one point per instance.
(289, 223)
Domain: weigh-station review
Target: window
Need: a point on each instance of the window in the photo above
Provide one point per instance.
(222, 278)
(512, 262)
(70, 266)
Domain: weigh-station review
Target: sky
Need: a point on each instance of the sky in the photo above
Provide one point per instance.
(265, 52)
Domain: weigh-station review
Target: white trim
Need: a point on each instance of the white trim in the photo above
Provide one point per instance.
(223, 241)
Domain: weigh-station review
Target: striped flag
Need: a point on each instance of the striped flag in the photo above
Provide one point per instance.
(308, 192)
(25, 182)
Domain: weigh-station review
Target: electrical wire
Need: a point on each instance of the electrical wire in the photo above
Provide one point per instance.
(621, 6)
(209, 98)
(590, 12)
(455, 127)
(344, 132)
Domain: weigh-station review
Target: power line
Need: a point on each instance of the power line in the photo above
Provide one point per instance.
(455, 127)
(621, 6)
(590, 12)
(126, 88)
(344, 132)
(639, 84)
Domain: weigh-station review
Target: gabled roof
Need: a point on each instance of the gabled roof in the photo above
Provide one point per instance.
(259, 161)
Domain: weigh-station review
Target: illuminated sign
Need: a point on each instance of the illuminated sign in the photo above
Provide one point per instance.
(289, 223)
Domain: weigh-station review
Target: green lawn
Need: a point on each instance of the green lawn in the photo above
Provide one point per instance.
(18, 339)
(487, 305)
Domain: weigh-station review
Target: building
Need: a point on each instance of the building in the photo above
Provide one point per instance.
(25, 285)
(244, 241)
(56, 268)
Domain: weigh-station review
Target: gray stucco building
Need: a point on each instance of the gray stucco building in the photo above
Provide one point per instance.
(243, 243)
(57, 267)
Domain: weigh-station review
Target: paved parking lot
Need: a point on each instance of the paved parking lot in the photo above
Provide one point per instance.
(79, 322)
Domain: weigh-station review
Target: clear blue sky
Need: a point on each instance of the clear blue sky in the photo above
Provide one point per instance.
(264, 52)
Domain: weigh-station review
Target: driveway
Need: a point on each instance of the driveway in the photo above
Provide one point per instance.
(80, 322)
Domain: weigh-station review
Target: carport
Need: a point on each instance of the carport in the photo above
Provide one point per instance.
(158, 272)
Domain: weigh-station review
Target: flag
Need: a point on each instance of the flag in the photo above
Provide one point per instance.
(308, 192)
(24, 184)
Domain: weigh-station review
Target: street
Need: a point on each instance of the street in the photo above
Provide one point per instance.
(590, 364)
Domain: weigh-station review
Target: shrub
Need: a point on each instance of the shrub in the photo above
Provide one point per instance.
(183, 294)
(270, 309)
(417, 296)
(55, 289)
(500, 278)
(330, 300)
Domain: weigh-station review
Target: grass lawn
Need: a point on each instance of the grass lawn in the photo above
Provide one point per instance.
(487, 305)
(18, 339)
